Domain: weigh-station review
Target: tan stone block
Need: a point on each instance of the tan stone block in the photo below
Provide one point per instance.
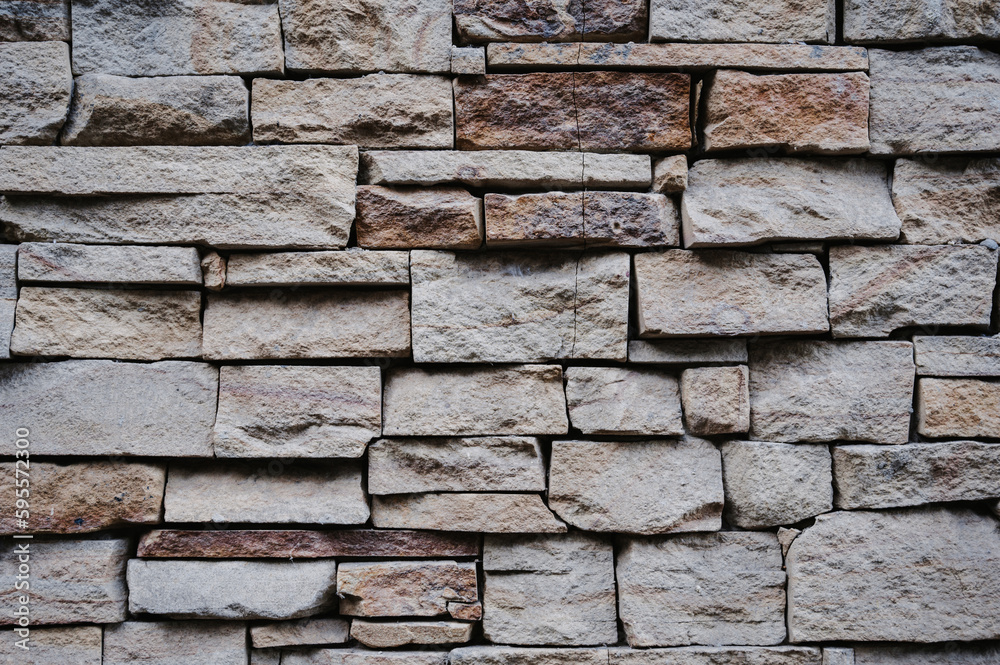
(108, 264)
(175, 643)
(468, 60)
(957, 355)
(958, 408)
(716, 399)
(752, 21)
(551, 21)
(428, 218)
(363, 657)
(488, 513)
(382, 635)
(354, 267)
(36, 85)
(670, 174)
(300, 632)
(402, 588)
(80, 645)
(687, 351)
(611, 400)
(494, 655)
(213, 271)
(900, 21)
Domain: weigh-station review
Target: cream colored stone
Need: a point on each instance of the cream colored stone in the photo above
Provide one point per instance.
(35, 85)
(670, 174)
(955, 355)
(404, 588)
(687, 351)
(79, 645)
(383, 635)
(920, 21)
(175, 643)
(468, 60)
(213, 271)
(488, 513)
(8, 296)
(107, 264)
(716, 399)
(958, 408)
(611, 400)
(752, 21)
(354, 267)
(300, 632)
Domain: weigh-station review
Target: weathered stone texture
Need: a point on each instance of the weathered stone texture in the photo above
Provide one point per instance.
(825, 391)
(104, 264)
(958, 408)
(922, 654)
(716, 588)
(788, 655)
(36, 85)
(175, 643)
(176, 37)
(363, 657)
(670, 174)
(89, 496)
(875, 290)
(402, 588)
(80, 645)
(72, 581)
(231, 589)
(8, 296)
(375, 111)
(716, 399)
(770, 484)
(302, 631)
(488, 513)
(687, 351)
(918, 575)
(427, 218)
(611, 400)
(954, 355)
(644, 487)
(685, 293)
(86, 323)
(630, 220)
(811, 113)
(367, 36)
(468, 60)
(34, 21)
(354, 267)
(757, 200)
(551, 21)
(101, 407)
(753, 21)
(494, 655)
(383, 635)
(473, 464)
(898, 21)
(934, 100)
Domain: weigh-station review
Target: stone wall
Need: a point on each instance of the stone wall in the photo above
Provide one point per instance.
(548, 332)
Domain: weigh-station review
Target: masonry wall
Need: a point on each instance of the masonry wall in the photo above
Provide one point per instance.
(561, 332)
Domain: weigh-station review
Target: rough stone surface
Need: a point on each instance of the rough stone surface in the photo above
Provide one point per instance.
(934, 100)
(231, 589)
(875, 290)
(716, 588)
(34, 21)
(901, 21)
(285, 411)
(687, 351)
(670, 174)
(828, 391)
(367, 36)
(611, 400)
(102, 407)
(87, 323)
(67, 262)
(757, 200)
(403, 588)
(80, 645)
(428, 218)
(8, 296)
(788, 655)
(165, 110)
(950, 654)
(684, 293)
(940, 586)
(468, 60)
(383, 635)
(488, 513)
(230, 492)
(716, 399)
(375, 111)
(644, 487)
(947, 200)
(520, 400)
(551, 21)
(363, 657)
(353, 267)
(549, 590)
(88, 496)
(175, 643)
(494, 655)
(770, 484)
(176, 37)
(753, 21)
(307, 324)
(473, 464)
(958, 408)
(36, 85)
(954, 355)
(72, 581)
(810, 113)
(302, 631)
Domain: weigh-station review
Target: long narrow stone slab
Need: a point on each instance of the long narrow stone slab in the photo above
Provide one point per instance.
(789, 655)
(901, 21)
(355, 656)
(36, 85)
(751, 21)
(502, 655)
(966, 408)
(404, 588)
(955, 355)
(68, 262)
(102, 407)
(487, 513)
(34, 21)
(391, 634)
(326, 630)
(8, 296)
(687, 352)
(168, 642)
(58, 645)
(551, 21)
(923, 654)
(353, 267)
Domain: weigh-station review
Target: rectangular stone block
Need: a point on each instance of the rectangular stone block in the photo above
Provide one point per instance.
(354, 267)
(36, 85)
(753, 21)
(611, 400)
(302, 631)
(487, 513)
(231, 589)
(923, 654)
(551, 21)
(34, 21)
(499, 655)
(756, 200)
(687, 351)
(102, 407)
(403, 588)
(900, 21)
(296, 411)
(468, 60)
(519, 306)
(471, 464)
(106, 264)
(716, 400)
(955, 355)
(687, 293)
(256, 324)
(428, 218)
(80, 645)
(795, 113)
(72, 581)
(227, 492)
(828, 391)
(711, 655)
(958, 408)
(374, 111)
(87, 323)
(720, 588)
(383, 634)
(356, 656)
(176, 37)
(176, 643)
(519, 400)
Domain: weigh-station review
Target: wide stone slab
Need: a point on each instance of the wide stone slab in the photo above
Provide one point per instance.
(357, 656)
(303, 631)
(788, 655)
(403, 588)
(102, 407)
(231, 589)
(34, 21)
(958, 408)
(715, 588)
(644, 487)
(519, 400)
(686, 293)
(108, 264)
(263, 324)
(939, 587)
(827, 391)
(426, 217)
(80, 645)
(72, 581)
(551, 21)
(472, 464)
(354, 267)
(297, 411)
(716, 400)
(549, 590)
(89, 323)
(383, 635)
(934, 100)
(756, 200)
(88, 496)
(231, 492)
(176, 643)
(176, 37)
(375, 111)
(519, 306)
(612, 400)
(957, 355)
(753, 21)
(876, 290)
(903, 21)
(922, 654)
(487, 513)
(36, 85)
(687, 351)
(807, 113)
